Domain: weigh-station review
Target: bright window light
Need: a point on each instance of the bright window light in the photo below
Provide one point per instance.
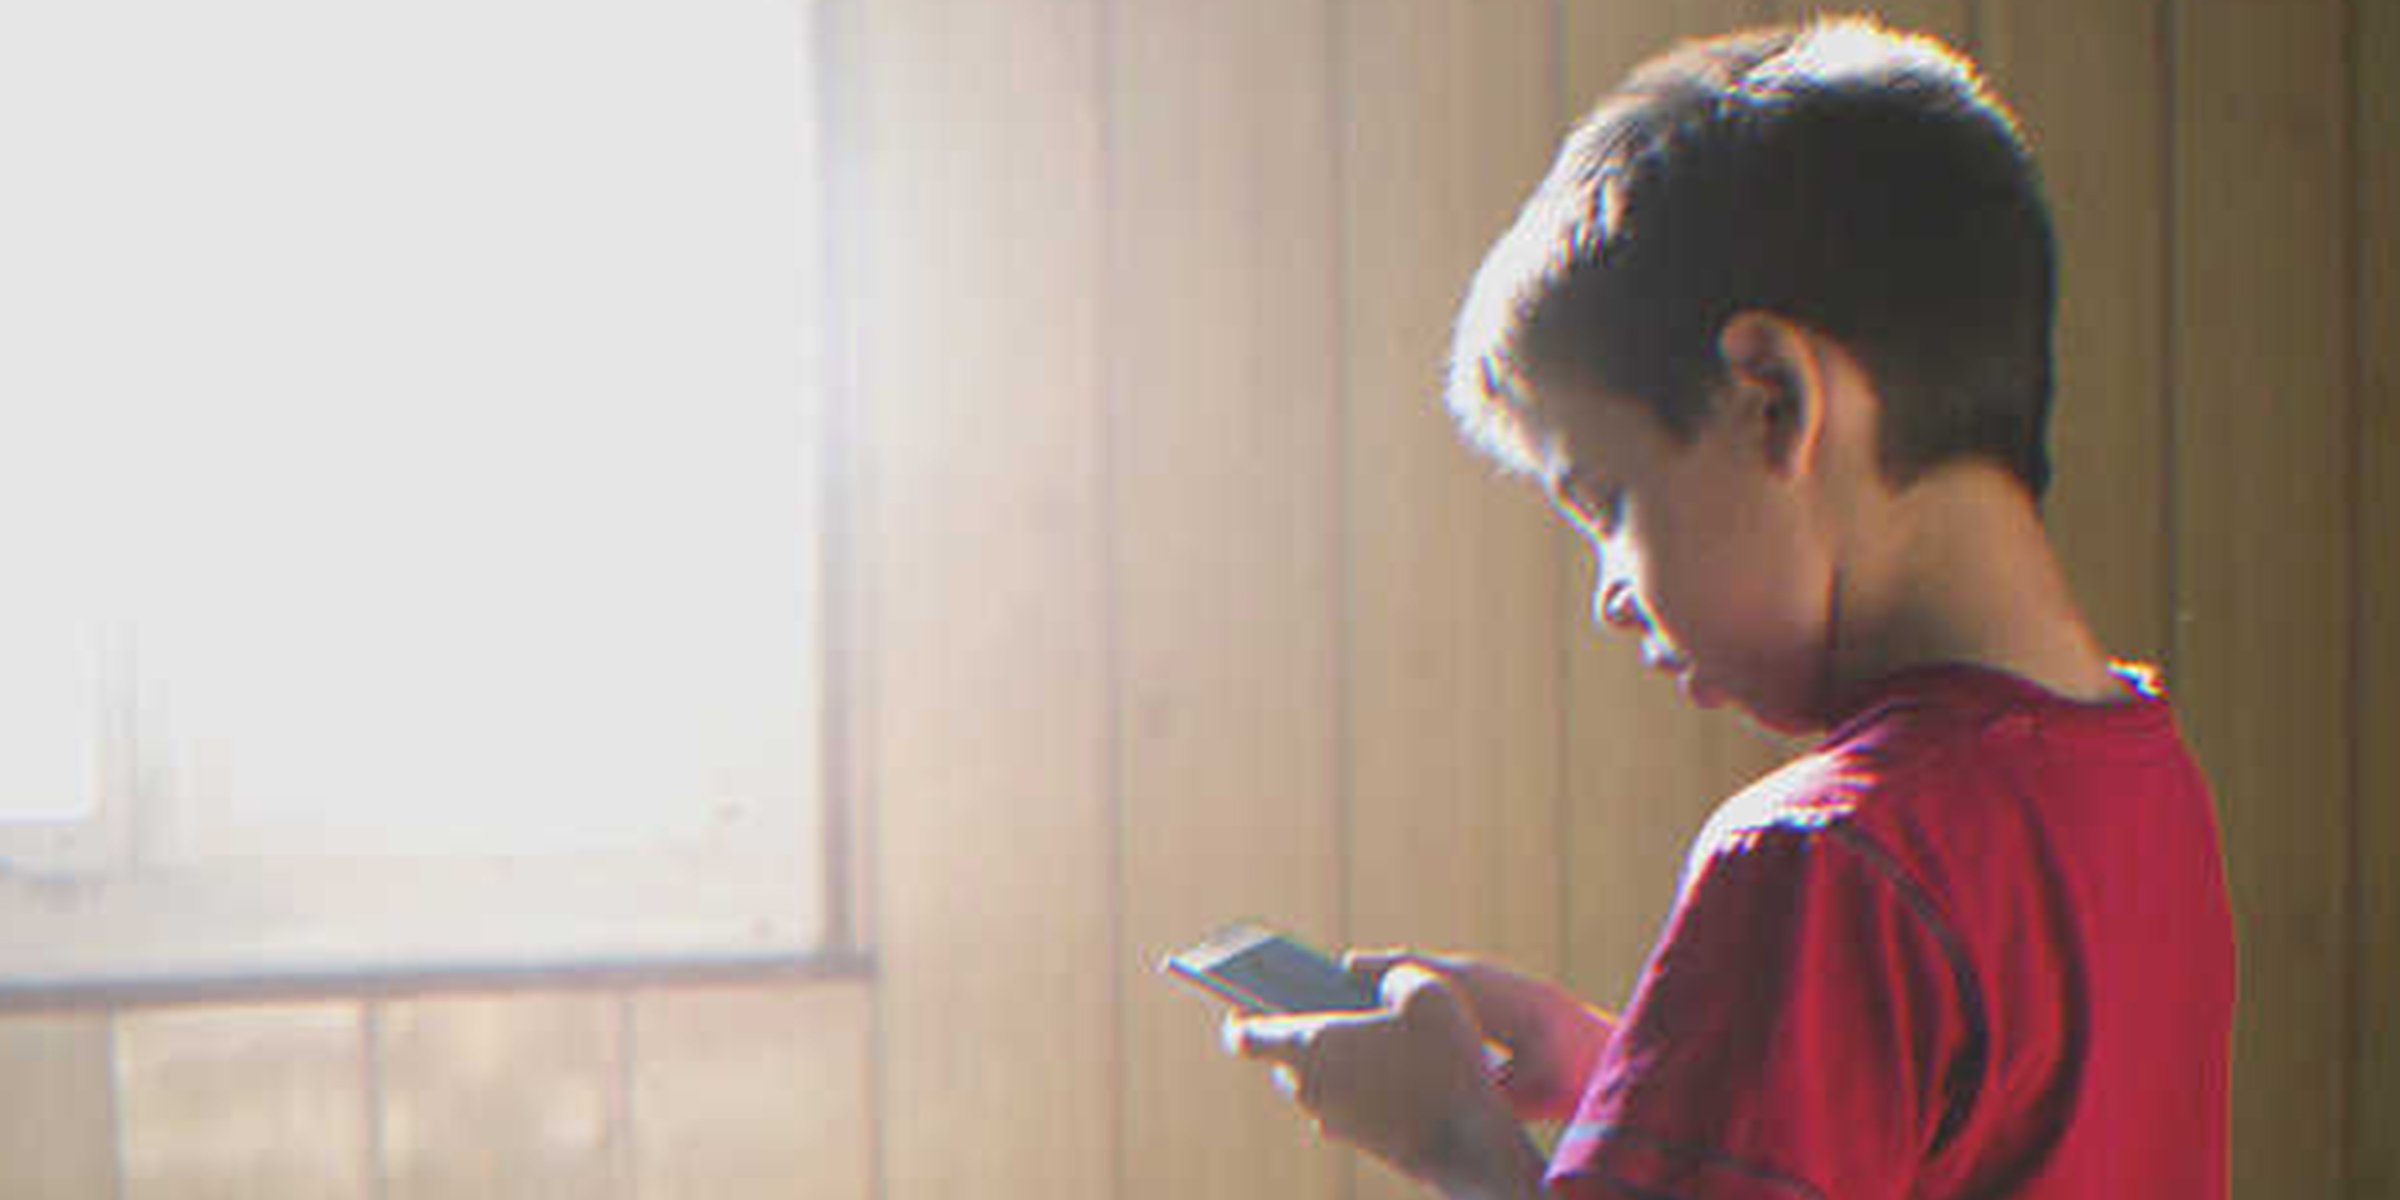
(409, 455)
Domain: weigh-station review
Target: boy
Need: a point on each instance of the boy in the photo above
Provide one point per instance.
(1773, 335)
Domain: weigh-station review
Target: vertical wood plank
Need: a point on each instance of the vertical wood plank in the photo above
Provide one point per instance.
(1606, 38)
(2094, 109)
(754, 1093)
(1643, 768)
(266, 1102)
(506, 1094)
(1222, 351)
(2375, 1116)
(2262, 472)
(57, 1124)
(1453, 646)
(986, 698)
(1453, 649)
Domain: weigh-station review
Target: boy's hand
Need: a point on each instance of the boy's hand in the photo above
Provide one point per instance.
(1404, 1083)
(1554, 1040)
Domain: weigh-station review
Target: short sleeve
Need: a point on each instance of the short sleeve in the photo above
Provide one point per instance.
(1803, 1030)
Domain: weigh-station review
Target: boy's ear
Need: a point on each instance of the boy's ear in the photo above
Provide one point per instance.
(1777, 382)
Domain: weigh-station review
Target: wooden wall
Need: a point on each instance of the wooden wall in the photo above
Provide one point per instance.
(1170, 598)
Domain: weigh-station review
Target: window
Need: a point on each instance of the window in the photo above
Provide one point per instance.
(409, 487)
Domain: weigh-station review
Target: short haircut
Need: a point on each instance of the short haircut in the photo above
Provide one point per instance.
(1861, 182)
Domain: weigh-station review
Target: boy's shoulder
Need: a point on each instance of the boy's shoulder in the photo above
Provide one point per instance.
(1937, 755)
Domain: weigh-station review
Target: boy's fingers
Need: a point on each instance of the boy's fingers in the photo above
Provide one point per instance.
(1410, 984)
(1283, 1040)
(1287, 1044)
(1403, 981)
(1399, 976)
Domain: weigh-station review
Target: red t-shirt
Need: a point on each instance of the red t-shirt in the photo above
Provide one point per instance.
(1977, 943)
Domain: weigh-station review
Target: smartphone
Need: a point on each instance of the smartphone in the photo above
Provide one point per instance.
(1261, 971)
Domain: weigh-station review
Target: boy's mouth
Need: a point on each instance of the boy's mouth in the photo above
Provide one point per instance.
(1659, 655)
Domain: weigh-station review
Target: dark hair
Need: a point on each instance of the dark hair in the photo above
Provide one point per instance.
(1859, 181)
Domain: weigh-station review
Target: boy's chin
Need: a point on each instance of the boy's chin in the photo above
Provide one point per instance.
(1784, 720)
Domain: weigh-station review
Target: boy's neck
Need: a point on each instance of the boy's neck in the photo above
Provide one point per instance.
(1957, 568)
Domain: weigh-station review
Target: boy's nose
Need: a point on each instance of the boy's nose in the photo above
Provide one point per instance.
(1617, 608)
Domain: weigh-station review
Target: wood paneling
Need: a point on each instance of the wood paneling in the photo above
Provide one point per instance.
(1223, 343)
(986, 697)
(2262, 547)
(1453, 646)
(57, 1129)
(256, 1103)
(2375, 1117)
(521, 1095)
(1450, 605)
(753, 1093)
(1603, 39)
(1644, 768)
(2094, 107)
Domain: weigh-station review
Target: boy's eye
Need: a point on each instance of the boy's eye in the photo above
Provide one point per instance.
(1607, 509)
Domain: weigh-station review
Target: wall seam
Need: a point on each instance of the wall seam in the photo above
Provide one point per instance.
(370, 1053)
(1345, 647)
(1109, 532)
(2354, 333)
(2170, 283)
(1562, 817)
(110, 1050)
(625, 1161)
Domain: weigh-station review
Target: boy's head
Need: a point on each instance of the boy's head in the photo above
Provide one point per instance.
(1834, 190)
(1856, 180)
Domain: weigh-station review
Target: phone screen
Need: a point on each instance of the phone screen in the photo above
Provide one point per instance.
(1265, 972)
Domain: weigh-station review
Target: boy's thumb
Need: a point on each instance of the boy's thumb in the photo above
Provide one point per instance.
(1370, 966)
